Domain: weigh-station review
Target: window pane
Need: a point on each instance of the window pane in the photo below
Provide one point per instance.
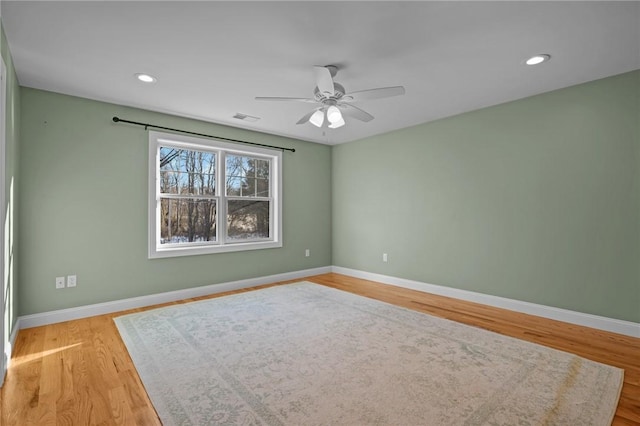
(173, 182)
(169, 182)
(183, 171)
(237, 165)
(187, 220)
(262, 169)
(247, 176)
(247, 220)
(262, 187)
(234, 186)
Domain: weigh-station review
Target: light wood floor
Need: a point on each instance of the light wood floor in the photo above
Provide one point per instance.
(79, 372)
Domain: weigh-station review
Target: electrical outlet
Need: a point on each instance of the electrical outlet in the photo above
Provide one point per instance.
(59, 282)
(307, 253)
(71, 280)
(385, 258)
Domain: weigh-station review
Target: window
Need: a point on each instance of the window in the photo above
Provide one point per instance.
(207, 196)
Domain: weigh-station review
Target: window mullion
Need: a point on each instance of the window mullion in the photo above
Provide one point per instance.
(186, 196)
(272, 193)
(222, 192)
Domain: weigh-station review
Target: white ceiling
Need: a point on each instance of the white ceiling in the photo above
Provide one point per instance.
(212, 58)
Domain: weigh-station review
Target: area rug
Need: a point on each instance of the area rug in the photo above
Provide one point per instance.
(306, 354)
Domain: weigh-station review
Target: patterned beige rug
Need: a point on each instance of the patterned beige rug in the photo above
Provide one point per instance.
(305, 354)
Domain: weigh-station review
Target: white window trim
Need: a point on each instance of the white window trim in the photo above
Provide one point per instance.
(156, 139)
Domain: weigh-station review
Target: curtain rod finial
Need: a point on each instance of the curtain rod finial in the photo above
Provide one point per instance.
(116, 119)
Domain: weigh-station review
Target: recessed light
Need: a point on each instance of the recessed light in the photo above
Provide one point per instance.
(538, 59)
(146, 78)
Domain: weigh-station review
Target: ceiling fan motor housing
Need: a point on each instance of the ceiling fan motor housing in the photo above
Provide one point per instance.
(338, 92)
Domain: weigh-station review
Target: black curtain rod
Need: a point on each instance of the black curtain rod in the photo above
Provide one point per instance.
(147, 125)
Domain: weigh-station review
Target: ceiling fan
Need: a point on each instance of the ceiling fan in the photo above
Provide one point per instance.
(334, 102)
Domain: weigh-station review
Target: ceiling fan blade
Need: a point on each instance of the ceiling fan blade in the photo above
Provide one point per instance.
(276, 98)
(324, 81)
(355, 112)
(366, 95)
(305, 118)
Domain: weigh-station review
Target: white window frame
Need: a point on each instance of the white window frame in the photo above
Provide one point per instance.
(221, 245)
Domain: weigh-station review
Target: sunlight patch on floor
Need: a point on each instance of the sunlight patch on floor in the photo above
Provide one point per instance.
(25, 359)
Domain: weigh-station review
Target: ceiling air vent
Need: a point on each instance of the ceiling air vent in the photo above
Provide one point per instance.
(246, 117)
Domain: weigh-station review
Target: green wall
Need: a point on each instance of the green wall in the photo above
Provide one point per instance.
(535, 200)
(84, 207)
(12, 128)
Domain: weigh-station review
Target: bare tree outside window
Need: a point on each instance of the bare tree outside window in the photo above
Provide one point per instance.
(187, 190)
(248, 204)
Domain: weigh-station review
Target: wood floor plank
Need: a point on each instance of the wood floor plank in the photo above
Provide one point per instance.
(121, 411)
(80, 373)
(26, 385)
(50, 382)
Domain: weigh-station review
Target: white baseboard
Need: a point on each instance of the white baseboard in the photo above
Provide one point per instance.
(52, 317)
(588, 320)
(602, 323)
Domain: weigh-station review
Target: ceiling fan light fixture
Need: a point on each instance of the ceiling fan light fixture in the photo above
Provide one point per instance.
(337, 124)
(317, 118)
(334, 115)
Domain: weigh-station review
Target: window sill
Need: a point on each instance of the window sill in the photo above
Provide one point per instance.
(213, 249)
